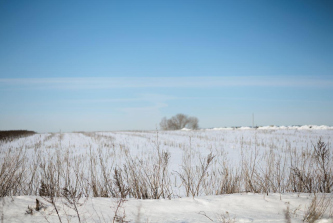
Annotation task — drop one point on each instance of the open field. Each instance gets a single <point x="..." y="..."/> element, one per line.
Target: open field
<point x="249" y="175"/>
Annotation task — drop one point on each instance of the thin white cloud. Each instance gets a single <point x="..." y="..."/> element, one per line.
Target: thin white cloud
<point x="165" y="82"/>
<point x="145" y="109"/>
<point x="154" y="98"/>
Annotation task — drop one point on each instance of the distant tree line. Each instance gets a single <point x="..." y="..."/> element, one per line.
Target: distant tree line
<point x="7" y="134"/>
<point x="179" y="121"/>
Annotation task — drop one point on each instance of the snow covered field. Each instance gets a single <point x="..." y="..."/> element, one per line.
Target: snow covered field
<point x="220" y="175"/>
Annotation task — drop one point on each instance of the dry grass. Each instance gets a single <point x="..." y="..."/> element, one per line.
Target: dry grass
<point x="317" y="208"/>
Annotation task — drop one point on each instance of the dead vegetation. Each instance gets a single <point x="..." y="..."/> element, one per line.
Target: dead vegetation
<point x="148" y="176"/>
<point x="317" y="208"/>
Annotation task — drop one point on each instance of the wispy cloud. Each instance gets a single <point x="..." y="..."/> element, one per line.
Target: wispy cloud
<point x="154" y="98"/>
<point x="166" y="82"/>
<point x="146" y="109"/>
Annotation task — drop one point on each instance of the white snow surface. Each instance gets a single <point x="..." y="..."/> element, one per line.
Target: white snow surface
<point x="245" y="207"/>
<point x="273" y="127"/>
<point x="228" y="142"/>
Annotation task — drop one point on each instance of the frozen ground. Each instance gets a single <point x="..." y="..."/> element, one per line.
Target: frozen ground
<point x="230" y="147"/>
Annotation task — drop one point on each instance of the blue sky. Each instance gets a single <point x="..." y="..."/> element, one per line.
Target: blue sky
<point x="115" y="65"/>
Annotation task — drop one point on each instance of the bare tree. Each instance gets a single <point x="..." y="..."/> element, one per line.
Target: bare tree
<point x="193" y="123"/>
<point x="179" y="121"/>
<point x="164" y="123"/>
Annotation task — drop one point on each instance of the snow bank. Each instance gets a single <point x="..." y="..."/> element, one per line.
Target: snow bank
<point x="245" y="128"/>
<point x="186" y="129"/>
<point x="273" y="127"/>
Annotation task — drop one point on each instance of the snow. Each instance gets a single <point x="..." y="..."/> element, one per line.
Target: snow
<point x="246" y="207"/>
<point x="273" y="127"/>
<point x="227" y="143"/>
<point x="185" y="129"/>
